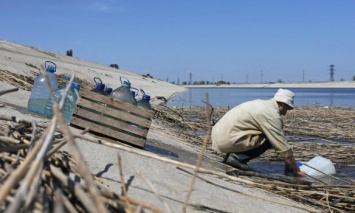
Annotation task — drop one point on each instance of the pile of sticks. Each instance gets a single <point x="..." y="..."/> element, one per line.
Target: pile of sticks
<point x="339" y="154"/>
<point x="19" y="81"/>
<point x="333" y="123"/>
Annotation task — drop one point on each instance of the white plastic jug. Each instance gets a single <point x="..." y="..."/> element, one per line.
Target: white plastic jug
<point x="320" y="163"/>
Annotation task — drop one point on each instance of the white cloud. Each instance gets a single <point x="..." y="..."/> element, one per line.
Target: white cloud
<point x="106" y="6"/>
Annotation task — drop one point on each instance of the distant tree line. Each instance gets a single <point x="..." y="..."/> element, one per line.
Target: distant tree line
<point x="203" y="83"/>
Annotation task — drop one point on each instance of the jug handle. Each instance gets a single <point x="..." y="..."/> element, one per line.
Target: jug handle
<point x="98" y="79"/>
<point x="142" y="91"/>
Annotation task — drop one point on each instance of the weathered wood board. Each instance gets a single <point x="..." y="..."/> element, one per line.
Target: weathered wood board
<point x="114" y="120"/>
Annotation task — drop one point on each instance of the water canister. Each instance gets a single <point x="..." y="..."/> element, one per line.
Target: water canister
<point x="99" y="87"/>
<point x="144" y="101"/>
<point x="123" y="93"/>
<point x="69" y="103"/>
<point x="40" y="92"/>
<point x="319" y="163"/>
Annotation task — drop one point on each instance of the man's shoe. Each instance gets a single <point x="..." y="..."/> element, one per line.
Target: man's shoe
<point x="236" y="163"/>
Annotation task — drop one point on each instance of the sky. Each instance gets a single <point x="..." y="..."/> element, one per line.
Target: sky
<point x="249" y="41"/>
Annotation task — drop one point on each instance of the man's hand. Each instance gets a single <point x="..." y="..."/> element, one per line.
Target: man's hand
<point x="290" y="162"/>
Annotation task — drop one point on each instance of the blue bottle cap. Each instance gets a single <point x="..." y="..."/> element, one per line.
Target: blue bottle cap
<point x="76" y="86"/>
<point x="299" y="163"/>
<point x="50" y="66"/>
<point x="108" y="90"/>
<point x="146" y="97"/>
<point x="50" y="69"/>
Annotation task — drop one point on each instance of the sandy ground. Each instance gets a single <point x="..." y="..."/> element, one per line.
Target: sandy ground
<point x="171" y="183"/>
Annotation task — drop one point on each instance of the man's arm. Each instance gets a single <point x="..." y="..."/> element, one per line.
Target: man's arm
<point x="291" y="163"/>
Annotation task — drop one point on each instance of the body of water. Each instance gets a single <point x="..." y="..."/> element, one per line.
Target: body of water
<point x="224" y="97"/>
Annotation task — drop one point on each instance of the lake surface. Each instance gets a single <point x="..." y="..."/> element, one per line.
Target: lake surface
<point x="224" y="97"/>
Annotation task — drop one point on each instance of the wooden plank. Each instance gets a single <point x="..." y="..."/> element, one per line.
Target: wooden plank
<point x="85" y="105"/>
<point x="120" y="136"/>
<point x="113" y="124"/>
<point x="112" y="119"/>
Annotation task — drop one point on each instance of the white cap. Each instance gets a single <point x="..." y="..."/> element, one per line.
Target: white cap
<point x="285" y="96"/>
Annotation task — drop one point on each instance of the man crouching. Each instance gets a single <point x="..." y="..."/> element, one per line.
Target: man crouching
<point x="249" y="129"/>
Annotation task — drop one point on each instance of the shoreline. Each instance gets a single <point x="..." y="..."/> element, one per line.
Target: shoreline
<point x="333" y="84"/>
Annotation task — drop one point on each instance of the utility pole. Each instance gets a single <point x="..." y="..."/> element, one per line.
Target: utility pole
<point x="331" y="72"/>
<point x="261" y="73"/>
<point x="190" y="76"/>
<point x="302" y="75"/>
<point x="247" y="78"/>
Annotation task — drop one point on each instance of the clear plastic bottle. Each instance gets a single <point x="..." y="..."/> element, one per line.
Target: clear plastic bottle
<point x="123" y="93"/>
<point x="144" y="101"/>
<point x="40" y="93"/>
<point x="69" y="103"/>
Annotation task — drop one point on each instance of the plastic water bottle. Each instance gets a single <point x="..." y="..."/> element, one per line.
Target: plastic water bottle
<point x="69" y="103"/>
<point x="40" y="92"/>
<point x="144" y="101"/>
<point x="318" y="163"/>
<point x="99" y="88"/>
<point x="123" y="93"/>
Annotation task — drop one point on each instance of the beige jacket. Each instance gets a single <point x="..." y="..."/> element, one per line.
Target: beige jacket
<point x="248" y="125"/>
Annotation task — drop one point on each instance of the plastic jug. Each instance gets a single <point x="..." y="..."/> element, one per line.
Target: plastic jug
<point x="99" y="88"/>
<point x="144" y="101"/>
<point x="319" y="163"/>
<point x="40" y="92"/>
<point x="69" y="103"/>
<point x="123" y="92"/>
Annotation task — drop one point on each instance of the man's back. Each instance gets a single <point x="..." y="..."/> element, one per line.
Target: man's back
<point x="244" y="121"/>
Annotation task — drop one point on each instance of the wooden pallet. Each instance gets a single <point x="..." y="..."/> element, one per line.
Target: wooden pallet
<point x="114" y="120"/>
